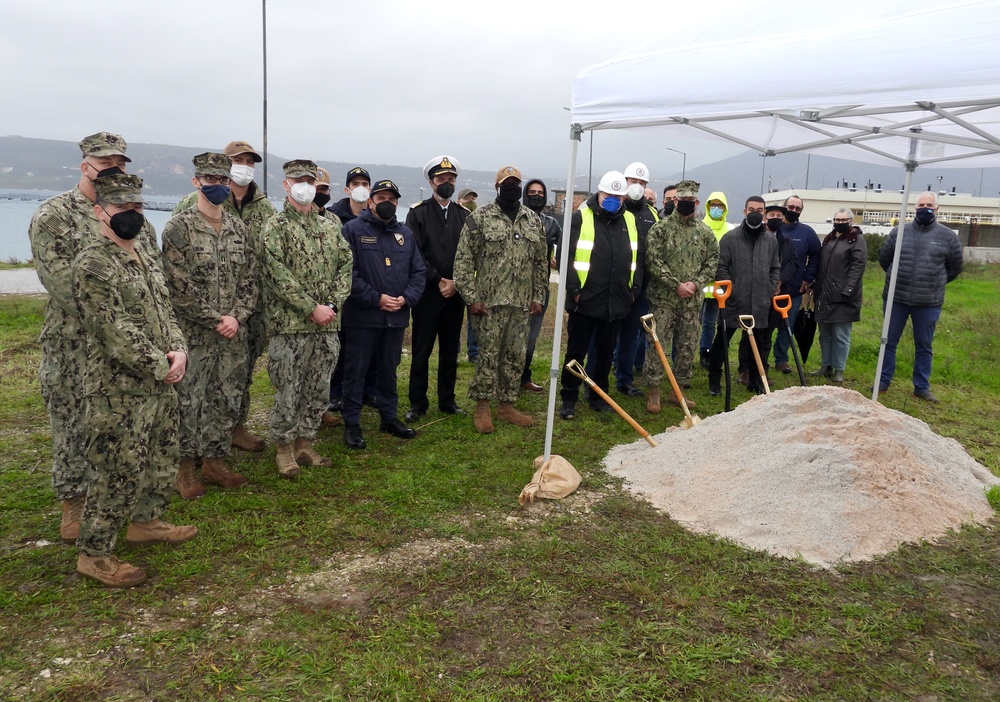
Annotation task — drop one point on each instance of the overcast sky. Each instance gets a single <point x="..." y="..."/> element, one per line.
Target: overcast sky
<point x="372" y="82"/>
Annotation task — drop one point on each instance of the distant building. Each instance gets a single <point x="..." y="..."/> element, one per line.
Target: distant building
<point x="579" y="197"/>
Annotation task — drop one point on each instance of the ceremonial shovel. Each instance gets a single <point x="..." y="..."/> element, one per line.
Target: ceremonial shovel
<point x="783" y="308"/>
<point x="721" y="291"/>
<point x="649" y="324"/>
<point x="576" y="369"/>
<point x="746" y="321"/>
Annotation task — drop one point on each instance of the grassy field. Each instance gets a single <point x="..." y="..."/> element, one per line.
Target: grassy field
<point x="408" y="571"/>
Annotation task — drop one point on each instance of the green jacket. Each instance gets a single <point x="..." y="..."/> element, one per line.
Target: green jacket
<point x="679" y="251"/>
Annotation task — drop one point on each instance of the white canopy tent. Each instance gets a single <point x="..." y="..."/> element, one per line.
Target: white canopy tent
<point x="894" y="82"/>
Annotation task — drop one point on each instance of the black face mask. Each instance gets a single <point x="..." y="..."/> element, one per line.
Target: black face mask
<point x="509" y="194"/>
<point x="924" y="215"/>
<point x="754" y="220"/>
<point x="668" y="208"/>
<point x="774" y="224"/>
<point x="114" y="170"/>
<point x="321" y="199"/>
<point x="385" y="210"/>
<point x="686" y="207"/>
<point x="792" y="217"/>
<point x="127" y="225"/>
<point x="841" y="227"/>
<point x="445" y="190"/>
<point x="536" y="202"/>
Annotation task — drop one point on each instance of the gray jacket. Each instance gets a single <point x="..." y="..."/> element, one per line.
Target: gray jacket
<point x="931" y="258"/>
<point x="749" y="258"/>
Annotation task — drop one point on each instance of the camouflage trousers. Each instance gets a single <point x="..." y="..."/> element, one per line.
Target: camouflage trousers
<point x="678" y="327"/>
<point x="300" y="366"/>
<point x="132" y="444"/>
<point x="255" y="339"/>
<point x="60" y="375"/>
<point x="503" y="340"/>
<point x="210" y="396"/>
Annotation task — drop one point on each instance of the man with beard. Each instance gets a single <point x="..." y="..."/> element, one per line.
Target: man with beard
<point x="536" y="197"/>
<point x="807" y="252"/>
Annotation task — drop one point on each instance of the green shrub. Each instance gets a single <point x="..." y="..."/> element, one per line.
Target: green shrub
<point x="874" y="242"/>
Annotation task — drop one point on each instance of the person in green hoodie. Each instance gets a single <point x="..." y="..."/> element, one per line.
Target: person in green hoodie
<point x="716" y="210"/>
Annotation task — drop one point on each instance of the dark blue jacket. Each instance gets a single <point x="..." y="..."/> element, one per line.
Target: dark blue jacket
<point x="808" y="249"/>
<point x="931" y="258"/>
<point x="342" y="208"/>
<point x="386" y="262"/>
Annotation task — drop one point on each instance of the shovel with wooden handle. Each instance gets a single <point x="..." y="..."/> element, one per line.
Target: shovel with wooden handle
<point x="721" y="292"/>
<point x="746" y="321"/>
<point x="576" y="369"/>
<point x="783" y="304"/>
<point x="649" y="324"/>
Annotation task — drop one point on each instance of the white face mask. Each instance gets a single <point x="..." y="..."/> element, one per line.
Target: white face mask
<point x="303" y="193"/>
<point x="635" y="192"/>
<point x="360" y="194"/>
<point x="241" y="175"/>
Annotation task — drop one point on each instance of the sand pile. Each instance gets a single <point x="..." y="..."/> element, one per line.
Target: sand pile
<point x="822" y="473"/>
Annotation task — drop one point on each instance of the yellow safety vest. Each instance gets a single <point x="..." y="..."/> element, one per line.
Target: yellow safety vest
<point x="585" y="246"/>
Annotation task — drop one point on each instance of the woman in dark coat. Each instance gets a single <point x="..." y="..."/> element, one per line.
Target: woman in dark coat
<point x="838" y="292"/>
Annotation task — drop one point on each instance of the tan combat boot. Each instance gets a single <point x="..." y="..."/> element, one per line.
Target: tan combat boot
<point x="672" y="400"/>
<point x="482" y="418"/>
<point x="109" y="571"/>
<point x="330" y="419"/>
<point x="653" y="399"/>
<point x="287" y="467"/>
<point x="69" y="529"/>
<point x="306" y="455"/>
<point x="188" y="484"/>
<point x="215" y="472"/>
<point x="159" y="532"/>
<point x="508" y="413"/>
<point x="247" y="441"/>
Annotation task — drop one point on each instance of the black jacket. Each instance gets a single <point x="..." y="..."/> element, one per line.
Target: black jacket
<point x="342" y="208"/>
<point x="930" y="259"/>
<point x="437" y="238"/>
<point x="838" y="281"/>
<point x="749" y="258"/>
<point x="386" y="262"/>
<point x="607" y="294"/>
<point x="553" y="230"/>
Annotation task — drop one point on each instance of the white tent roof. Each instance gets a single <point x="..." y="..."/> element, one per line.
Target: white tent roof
<point x="851" y="79"/>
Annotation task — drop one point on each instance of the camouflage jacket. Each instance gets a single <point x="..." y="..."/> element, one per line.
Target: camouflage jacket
<point x="499" y="262"/>
<point x="130" y="324"/>
<point x="61" y="227"/>
<point x="679" y="251"/>
<point x="208" y="274"/>
<point x="306" y="262"/>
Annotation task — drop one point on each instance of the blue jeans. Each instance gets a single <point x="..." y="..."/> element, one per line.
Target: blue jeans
<point x="835" y="343"/>
<point x="709" y="321"/>
<point x="781" y="342"/>
<point x="924" y="320"/>
<point x="472" y="347"/>
<point x="631" y="336"/>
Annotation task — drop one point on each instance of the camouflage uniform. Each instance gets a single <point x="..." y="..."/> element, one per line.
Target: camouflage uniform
<point x="60" y="228"/>
<point x="210" y="274"/>
<point x="677" y="251"/>
<point x="504" y="265"/>
<point x="130" y="412"/>
<point x="254" y="214"/>
<point x="306" y="262"/>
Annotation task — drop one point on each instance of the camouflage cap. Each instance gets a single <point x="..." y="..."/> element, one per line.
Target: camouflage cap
<point x="508" y="172"/>
<point x="119" y="188"/>
<point x="688" y="188"/>
<point x="441" y="164"/>
<point x="322" y="176"/>
<point x="299" y="168"/>
<point x="235" y="148"/>
<point x="357" y="172"/>
<point x="104" y="144"/>
<point x="212" y="164"/>
<point x="385" y="185"/>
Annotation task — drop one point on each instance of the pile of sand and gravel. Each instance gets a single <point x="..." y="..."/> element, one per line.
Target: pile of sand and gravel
<point x="817" y="472"/>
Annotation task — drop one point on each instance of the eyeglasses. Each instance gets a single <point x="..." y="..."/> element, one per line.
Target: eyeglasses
<point x="793" y="208"/>
<point x="841" y="221"/>
<point x="215" y="180"/>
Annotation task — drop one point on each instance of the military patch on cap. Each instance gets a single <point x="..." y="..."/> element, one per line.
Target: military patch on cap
<point x="103" y="144"/>
<point x="322" y="176"/>
<point x="688" y="188"/>
<point x="357" y="172"/>
<point x="441" y="164"/>
<point x="235" y="148"/>
<point x="212" y="164"/>
<point x="119" y="188"/>
<point x="299" y="168"/>
<point x="384" y="185"/>
<point x="508" y="172"/>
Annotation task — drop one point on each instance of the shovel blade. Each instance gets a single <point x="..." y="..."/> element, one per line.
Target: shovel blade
<point x="689" y="422"/>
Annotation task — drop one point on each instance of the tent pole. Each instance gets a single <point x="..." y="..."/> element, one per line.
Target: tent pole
<point x="911" y="166"/>
<point x="555" y="370"/>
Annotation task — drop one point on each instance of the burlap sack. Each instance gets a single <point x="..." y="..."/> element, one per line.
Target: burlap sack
<point x="553" y="480"/>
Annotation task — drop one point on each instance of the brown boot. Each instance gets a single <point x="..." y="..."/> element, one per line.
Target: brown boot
<point x="188" y="484"/>
<point x="247" y="441"/>
<point x="482" y="418"/>
<point x="215" y="472"/>
<point x="672" y="400"/>
<point x="331" y="420"/>
<point x="159" y="532"/>
<point x="109" y="571"/>
<point x="69" y="529"/>
<point x="653" y="399"/>
<point x="508" y="413"/>
<point x="306" y="455"/>
<point x="287" y="467"/>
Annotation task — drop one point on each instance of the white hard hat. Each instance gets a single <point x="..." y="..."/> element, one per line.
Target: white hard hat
<point x="613" y="183"/>
<point x="637" y="170"/>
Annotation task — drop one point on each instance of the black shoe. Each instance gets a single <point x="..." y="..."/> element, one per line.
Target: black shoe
<point x="396" y="428"/>
<point x="414" y="414"/>
<point x="714" y="389"/>
<point x="601" y="407"/>
<point x="353" y="437"/>
<point x="704" y="358"/>
<point x="568" y="410"/>
<point x="370" y="400"/>
<point x="449" y="409"/>
<point x="336" y="404"/>
<point x="925" y="395"/>
<point x="631" y="391"/>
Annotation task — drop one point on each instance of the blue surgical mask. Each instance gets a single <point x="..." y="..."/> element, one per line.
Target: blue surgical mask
<point x="216" y="194"/>
<point x="925" y="215"/>
<point x="611" y="203"/>
<point x="715" y="212"/>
